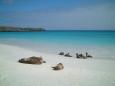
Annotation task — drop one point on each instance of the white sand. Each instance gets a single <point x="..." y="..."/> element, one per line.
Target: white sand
<point x="77" y="72"/>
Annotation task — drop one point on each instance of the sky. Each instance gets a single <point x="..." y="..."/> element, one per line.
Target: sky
<point x="58" y="14"/>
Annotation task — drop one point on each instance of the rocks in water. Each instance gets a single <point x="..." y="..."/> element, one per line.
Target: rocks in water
<point x="32" y="60"/>
<point x="61" y="53"/>
<point x="58" y="67"/>
<point x="67" y="55"/>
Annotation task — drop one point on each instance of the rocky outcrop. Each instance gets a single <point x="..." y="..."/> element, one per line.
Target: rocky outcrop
<point x="32" y="60"/>
<point x="19" y="29"/>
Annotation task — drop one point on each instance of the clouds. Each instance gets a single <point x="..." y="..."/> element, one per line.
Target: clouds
<point x="94" y="16"/>
<point x="100" y="15"/>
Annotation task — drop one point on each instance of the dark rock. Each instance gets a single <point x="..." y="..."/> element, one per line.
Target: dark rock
<point x="19" y="29"/>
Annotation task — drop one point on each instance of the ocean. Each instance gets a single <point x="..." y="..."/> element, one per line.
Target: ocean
<point x="100" y="44"/>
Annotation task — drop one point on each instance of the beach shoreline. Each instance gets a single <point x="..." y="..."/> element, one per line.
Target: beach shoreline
<point x="76" y="72"/>
<point x="99" y="44"/>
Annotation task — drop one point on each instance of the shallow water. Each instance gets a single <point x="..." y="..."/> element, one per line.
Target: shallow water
<point x="100" y="44"/>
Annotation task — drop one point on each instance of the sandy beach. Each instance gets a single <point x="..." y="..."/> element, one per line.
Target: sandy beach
<point x="76" y="72"/>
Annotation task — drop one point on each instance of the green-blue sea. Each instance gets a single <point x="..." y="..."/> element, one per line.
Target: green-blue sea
<point x="100" y="44"/>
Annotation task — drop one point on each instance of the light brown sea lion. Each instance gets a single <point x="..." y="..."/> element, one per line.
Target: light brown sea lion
<point x="58" y="67"/>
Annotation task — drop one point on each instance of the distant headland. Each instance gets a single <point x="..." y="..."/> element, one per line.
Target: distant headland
<point x="20" y="29"/>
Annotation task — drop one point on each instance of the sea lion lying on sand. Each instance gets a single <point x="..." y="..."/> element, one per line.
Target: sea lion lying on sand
<point x="58" y="67"/>
<point x="61" y="53"/>
<point x="32" y="60"/>
<point x="89" y="56"/>
<point x="81" y="56"/>
<point x="67" y="55"/>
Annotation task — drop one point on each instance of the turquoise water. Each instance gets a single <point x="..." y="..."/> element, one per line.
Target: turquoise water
<point x="64" y="37"/>
<point x="69" y="41"/>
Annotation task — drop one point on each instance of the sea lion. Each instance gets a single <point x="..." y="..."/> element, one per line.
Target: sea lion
<point x="58" y="67"/>
<point x="89" y="56"/>
<point x="61" y="53"/>
<point x="32" y="60"/>
<point x="80" y="56"/>
<point x="68" y="55"/>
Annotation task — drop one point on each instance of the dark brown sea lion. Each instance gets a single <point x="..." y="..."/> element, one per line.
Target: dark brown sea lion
<point x="32" y="60"/>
